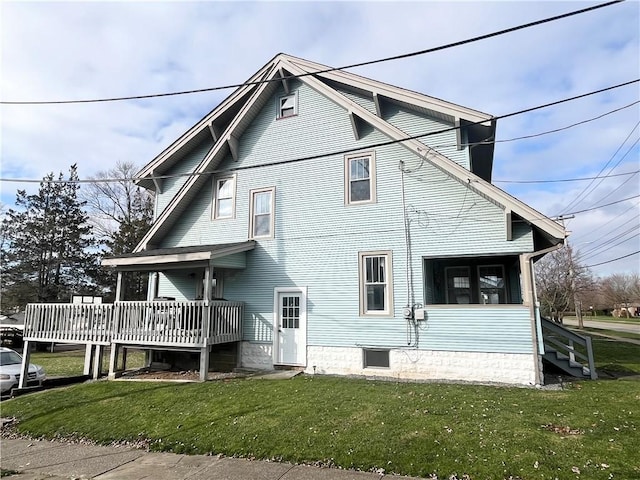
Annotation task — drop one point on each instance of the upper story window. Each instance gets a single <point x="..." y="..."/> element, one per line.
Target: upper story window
<point x="287" y="106"/>
<point x="360" y="178"/>
<point x="262" y="213"/>
<point x="224" y="201"/>
<point x="376" y="285"/>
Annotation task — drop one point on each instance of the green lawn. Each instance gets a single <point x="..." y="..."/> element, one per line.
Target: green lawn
<point x="406" y="428"/>
<point x="65" y="363"/>
<point x="606" y="318"/>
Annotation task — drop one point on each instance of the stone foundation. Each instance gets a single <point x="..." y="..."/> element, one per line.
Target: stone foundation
<point x="408" y="364"/>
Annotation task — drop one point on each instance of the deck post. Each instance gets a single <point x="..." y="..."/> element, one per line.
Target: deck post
<point x="119" y="287"/>
<point x="124" y="358"/>
<point x="97" y="361"/>
<point x="24" y="369"/>
<point x="204" y="362"/>
<point x="113" y="360"/>
<point x="88" y="351"/>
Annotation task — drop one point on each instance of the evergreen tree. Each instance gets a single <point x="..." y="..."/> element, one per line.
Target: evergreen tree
<point x="46" y="244"/>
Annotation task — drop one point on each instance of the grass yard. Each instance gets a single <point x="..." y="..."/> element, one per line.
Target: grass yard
<point x="65" y="362"/>
<point x="606" y="318"/>
<point x="589" y="430"/>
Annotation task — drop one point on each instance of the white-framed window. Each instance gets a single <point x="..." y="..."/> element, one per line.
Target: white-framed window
<point x="360" y="178"/>
<point x="224" y="197"/>
<point x="458" y="285"/>
<point x="287" y="106"/>
<point x="376" y="285"/>
<point x="262" y="217"/>
<point x="492" y="284"/>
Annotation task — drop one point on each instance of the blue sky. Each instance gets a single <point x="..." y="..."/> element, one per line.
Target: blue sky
<point x="78" y="50"/>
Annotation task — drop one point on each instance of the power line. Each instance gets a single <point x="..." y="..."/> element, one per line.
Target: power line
<point x="339" y="152"/>
<point x="353" y="65"/>
<point x="611" y="261"/>
<point x="594" y="250"/>
<point x="601" y="206"/>
<point x="561" y="180"/>
<point x="584" y="191"/>
<point x="607" y="223"/>
<point x="539" y="134"/>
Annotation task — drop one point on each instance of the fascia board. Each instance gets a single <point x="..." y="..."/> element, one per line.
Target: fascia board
<point x="394" y="92"/>
<point x="178" y="144"/>
<point x="438" y="160"/>
<point x="177" y="257"/>
<point x="204" y="164"/>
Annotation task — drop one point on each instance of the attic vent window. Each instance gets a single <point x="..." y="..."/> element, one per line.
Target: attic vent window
<point x="288" y="106"/>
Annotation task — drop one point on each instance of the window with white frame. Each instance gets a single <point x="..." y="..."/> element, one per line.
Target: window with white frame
<point x="376" y="287"/>
<point x="287" y="106"/>
<point x="262" y="213"/>
<point x="492" y="285"/>
<point x="224" y="197"/>
<point x="360" y="178"/>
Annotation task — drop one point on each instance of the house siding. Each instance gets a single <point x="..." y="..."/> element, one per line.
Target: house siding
<point x="317" y="237"/>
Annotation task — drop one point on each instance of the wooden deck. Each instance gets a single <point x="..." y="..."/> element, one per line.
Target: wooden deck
<point x="194" y="324"/>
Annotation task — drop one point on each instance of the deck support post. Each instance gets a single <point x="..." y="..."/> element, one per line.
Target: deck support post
<point x="119" y="287"/>
<point x="97" y="361"/>
<point x="204" y="363"/>
<point x="24" y="369"/>
<point x="113" y="360"/>
<point x="124" y="358"/>
<point x="88" y="352"/>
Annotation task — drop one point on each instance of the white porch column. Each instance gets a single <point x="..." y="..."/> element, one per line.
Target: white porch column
<point x="119" y="287"/>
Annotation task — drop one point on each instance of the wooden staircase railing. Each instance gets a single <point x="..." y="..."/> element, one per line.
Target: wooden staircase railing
<point x="567" y="350"/>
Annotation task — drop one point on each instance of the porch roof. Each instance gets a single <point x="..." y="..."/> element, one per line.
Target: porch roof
<point x="175" y="257"/>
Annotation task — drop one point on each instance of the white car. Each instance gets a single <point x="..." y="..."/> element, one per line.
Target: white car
<point x="10" y="366"/>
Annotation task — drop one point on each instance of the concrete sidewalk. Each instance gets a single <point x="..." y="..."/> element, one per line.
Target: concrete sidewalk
<point x="39" y="460"/>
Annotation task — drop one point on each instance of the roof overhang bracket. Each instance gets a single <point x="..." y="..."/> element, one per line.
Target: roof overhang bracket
<point x="233" y="147"/>
<point x="508" y="224"/>
<point x="285" y="81"/>
<point x="215" y="131"/>
<point x="354" y="125"/>
<point x="458" y="127"/>
<point x="156" y="181"/>
<point x="376" y="102"/>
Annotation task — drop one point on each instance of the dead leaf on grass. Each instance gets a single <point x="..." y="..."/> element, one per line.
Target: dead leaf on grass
<point x="562" y="430"/>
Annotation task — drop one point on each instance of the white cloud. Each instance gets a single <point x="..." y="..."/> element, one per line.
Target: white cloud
<point x="77" y="50"/>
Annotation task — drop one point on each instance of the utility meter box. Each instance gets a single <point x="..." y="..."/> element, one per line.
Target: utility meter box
<point x="420" y="313"/>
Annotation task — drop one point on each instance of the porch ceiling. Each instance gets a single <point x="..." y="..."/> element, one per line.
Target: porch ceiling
<point x="176" y="257"/>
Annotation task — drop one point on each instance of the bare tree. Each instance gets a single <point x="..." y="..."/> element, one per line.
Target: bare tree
<point x="560" y="280"/>
<point x="621" y="290"/>
<point x="121" y="213"/>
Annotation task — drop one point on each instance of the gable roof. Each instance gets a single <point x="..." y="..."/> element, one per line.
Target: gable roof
<point x="227" y="122"/>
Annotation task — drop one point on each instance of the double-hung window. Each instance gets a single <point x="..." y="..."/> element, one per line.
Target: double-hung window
<point x="287" y="106"/>
<point x="492" y="285"/>
<point x="360" y="178"/>
<point x="458" y="285"/>
<point x="224" y="197"/>
<point x="376" y="287"/>
<point x="262" y="213"/>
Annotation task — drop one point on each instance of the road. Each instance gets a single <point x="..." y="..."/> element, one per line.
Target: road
<point x="620" y="327"/>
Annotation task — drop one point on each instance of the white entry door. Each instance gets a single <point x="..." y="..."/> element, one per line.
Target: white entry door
<point x="290" y="326"/>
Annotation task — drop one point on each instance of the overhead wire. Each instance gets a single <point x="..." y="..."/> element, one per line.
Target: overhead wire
<point x="577" y="198"/>
<point x="590" y="232"/>
<point x="612" y="260"/>
<point x="339" y="152"/>
<point x="345" y="67"/>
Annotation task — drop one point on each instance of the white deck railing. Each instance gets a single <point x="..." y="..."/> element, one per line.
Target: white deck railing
<point x="186" y="324"/>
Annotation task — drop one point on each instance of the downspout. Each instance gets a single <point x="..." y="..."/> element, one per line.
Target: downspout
<point x="526" y="261"/>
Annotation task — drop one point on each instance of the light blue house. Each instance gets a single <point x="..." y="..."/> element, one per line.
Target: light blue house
<point x="350" y="227"/>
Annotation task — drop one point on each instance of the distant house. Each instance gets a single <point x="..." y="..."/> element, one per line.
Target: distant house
<point x="329" y="222"/>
